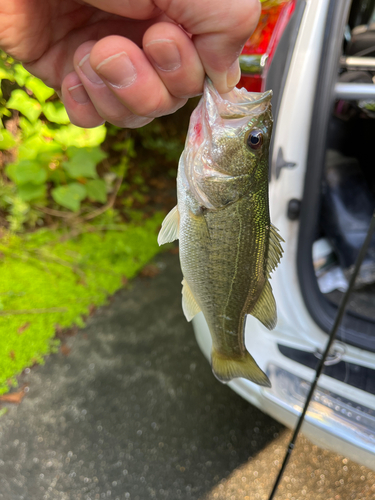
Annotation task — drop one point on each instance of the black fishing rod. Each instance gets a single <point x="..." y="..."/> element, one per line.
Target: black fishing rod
<point x="319" y="369"/>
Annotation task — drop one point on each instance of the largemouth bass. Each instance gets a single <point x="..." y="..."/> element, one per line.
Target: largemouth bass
<point x="228" y="246"/>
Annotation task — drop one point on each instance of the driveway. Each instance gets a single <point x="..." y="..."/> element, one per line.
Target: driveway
<point x="129" y="409"/>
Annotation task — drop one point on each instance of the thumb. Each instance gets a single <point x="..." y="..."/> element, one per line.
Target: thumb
<point x="220" y="29"/>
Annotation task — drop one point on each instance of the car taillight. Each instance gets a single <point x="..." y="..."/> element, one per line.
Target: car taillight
<point x="257" y="53"/>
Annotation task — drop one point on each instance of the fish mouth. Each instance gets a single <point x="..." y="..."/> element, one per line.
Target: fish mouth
<point x="239" y="103"/>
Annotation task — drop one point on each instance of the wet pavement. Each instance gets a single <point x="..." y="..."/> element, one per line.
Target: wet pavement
<point x="130" y="410"/>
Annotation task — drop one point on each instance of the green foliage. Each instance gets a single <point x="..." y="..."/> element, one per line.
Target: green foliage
<point x="26" y="171"/>
<point x="155" y="138"/>
<point x="70" y="196"/>
<point x="7" y="141"/>
<point x="25" y="104"/>
<point x="56" y="283"/>
<point x="82" y="162"/>
<point x="52" y="162"/>
<point x="49" y="163"/>
<point x="96" y="190"/>
<point x="55" y="112"/>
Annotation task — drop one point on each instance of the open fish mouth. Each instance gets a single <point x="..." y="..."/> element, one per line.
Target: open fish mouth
<point x="238" y="103"/>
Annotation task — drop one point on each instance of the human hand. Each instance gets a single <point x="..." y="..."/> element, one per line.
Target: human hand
<point x="128" y="62"/>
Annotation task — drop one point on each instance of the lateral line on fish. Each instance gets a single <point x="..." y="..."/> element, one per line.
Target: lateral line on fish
<point x="236" y="269"/>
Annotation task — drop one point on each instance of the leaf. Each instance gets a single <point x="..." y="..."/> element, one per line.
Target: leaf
<point x="55" y="112"/>
<point x="70" y="135"/>
<point x="6" y="71"/>
<point x="29" y="192"/>
<point x="95" y="154"/>
<point x="35" y="145"/>
<point x="6" y="112"/>
<point x="69" y="196"/>
<point x="26" y="171"/>
<point x="20" y="74"/>
<point x="96" y="190"/>
<point x="25" y="104"/>
<point x="28" y="128"/>
<point x="14" y="397"/>
<point x="39" y="89"/>
<point x="82" y="162"/>
<point x="7" y="140"/>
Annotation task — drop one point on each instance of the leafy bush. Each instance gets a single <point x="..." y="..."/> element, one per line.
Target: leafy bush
<point x="45" y="160"/>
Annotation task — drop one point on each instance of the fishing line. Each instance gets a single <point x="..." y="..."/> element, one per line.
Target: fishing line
<point x="319" y="369"/>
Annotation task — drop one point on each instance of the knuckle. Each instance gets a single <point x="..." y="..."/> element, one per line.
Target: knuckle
<point x="132" y="121"/>
<point x="244" y="17"/>
<point x="151" y="107"/>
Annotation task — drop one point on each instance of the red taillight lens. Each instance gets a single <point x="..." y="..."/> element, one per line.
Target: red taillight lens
<point x="257" y="54"/>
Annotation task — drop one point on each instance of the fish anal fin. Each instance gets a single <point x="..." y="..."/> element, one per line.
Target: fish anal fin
<point x="189" y="304"/>
<point x="170" y="227"/>
<point x="275" y="250"/>
<point x="226" y="368"/>
<point x="265" y="308"/>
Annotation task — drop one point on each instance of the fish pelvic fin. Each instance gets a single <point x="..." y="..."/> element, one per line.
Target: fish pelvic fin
<point x="170" y="227"/>
<point x="226" y="368"/>
<point x="265" y="308"/>
<point x="189" y="304"/>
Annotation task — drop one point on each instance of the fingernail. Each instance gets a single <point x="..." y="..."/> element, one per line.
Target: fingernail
<point x="118" y="70"/>
<point x="164" y="54"/>
<point x="79" y="94"/>
<point x="87" y="70"/>
<point x="233" y="74"/>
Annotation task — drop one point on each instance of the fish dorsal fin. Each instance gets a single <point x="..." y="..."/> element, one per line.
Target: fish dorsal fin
<point x="265" y="308"/>
<point x="275" y="250"/>
<point x="170" y="227"/>
<point x="189" y="304"/>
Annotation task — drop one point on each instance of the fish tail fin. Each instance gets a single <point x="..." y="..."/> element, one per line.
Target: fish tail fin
<point x="225" y="368"/>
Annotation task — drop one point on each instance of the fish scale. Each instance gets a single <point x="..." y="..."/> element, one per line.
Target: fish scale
<point x="228" y="246"/>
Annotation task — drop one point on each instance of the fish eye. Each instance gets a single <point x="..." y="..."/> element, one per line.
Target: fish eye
<point x="255" y="139"/>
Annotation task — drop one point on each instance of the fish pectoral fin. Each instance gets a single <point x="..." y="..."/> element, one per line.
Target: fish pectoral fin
<point x="170" y="227"/>
<point x="226" y="368"/>
<point x="189" y="304"/>
<point x="265" y="308"/>
<point x="275" y="250"/>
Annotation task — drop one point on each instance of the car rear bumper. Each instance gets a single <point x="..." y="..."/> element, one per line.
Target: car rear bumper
<point x="340" y="418"/>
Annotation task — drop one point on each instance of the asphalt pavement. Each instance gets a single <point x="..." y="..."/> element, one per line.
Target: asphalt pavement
<point x="129" y="409"/>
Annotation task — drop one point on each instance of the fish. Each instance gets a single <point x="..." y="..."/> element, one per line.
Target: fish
<point x="228" y="247"/>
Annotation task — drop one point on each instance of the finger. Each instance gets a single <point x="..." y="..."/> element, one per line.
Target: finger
<point x="131" y="78"/>
<point x="174" y="57"/>
<point x="57" y="61"/>
<point x="219" y="29"/>
<point x="102" y="99"/>
<point x="77" y="103"/>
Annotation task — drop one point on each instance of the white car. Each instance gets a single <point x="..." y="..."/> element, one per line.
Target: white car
<point x="309" y="52"/>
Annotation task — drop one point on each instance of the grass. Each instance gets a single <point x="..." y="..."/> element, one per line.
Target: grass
<point x="47" y="284"/>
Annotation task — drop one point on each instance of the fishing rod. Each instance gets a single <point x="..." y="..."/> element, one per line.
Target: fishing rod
<point x="319" y="369"/>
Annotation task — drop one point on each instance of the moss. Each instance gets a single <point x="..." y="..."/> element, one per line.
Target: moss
<point x="38" y="273"/>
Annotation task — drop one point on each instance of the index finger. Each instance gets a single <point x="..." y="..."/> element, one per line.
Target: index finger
<point x="219" y="29"/>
